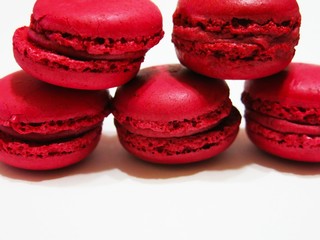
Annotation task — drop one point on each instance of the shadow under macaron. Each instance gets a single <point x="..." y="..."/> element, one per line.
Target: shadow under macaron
<point x="286" y="165"/>
<point x="100" y="160"/>
<point x="110" y="158"/>
<point x="242" y="153"/>
<point x="114" y="157"/>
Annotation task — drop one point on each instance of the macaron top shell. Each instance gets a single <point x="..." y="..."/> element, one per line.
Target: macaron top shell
<point x="113" y="19"/>
<point x="28" y="102"/>
<point x="258" y="10"/>
<point x="298" y="85"/>
<point x="170" y="92"/>
<point x="292" y="94"/>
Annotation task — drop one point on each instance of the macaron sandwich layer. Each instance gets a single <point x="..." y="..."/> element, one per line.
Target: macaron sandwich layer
<point x="84" y="44"/>
<point x="44" y="127"/>
<point x="170" y="115"/>
<point x="236" y="39"/>
<point x="283" y="113"/>
<point x="184" y="149"/>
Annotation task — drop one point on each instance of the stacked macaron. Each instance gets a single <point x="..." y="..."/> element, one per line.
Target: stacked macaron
<point x="168" y="114"/>
<point x="84" y="44"/>
<point x="76" y="50"/>
<point x="52" y="113"/>
<point x="255" y="41"/>
<point x="236" y="39"/>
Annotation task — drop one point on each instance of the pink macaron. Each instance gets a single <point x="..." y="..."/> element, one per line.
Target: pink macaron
<point x="170" y="115"/>
<point x="283" y="112"/>
<point x="88" y="44"/>
<point x="236" y="39"/>
<point x="44" y="127"/>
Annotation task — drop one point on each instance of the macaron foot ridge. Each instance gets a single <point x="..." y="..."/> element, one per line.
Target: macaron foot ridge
<point x="47" y="155"/>
<point x="291" y="146"/>
<point x="68" y="72"/>
<point x="181" y="150"/>
<point x="175" y="128"/>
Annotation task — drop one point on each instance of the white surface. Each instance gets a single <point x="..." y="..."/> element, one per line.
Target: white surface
<point x="241" y="194"/>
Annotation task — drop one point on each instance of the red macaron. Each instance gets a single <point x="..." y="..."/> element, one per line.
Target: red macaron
<point x="88" y="44"/>
<point x="44" y="127"/>
<point x="283" y="112"/>
<point x="170" y="115"/>
<point x="236" y="39"/>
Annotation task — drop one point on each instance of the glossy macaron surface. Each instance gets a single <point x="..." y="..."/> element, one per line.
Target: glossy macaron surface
<point x="170" y="99"/>
<point x="295" y="86"/>
<point x="115" y="19"/>
<point x="259" y="10"/>
<point x="31" y="100"/>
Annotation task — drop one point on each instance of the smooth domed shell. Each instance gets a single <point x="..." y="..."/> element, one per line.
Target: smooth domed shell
<point x="113" y="19"/>
<point x="170" y="92"/>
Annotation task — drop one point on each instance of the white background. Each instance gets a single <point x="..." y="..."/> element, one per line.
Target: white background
<point x="241" y="194"/>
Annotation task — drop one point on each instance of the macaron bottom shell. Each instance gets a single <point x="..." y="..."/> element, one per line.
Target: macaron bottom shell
<point x="34" y="155"/>
<point x="216" y="67"/>
<point x="291" y="146"/>
<point x="181" y="150"/>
